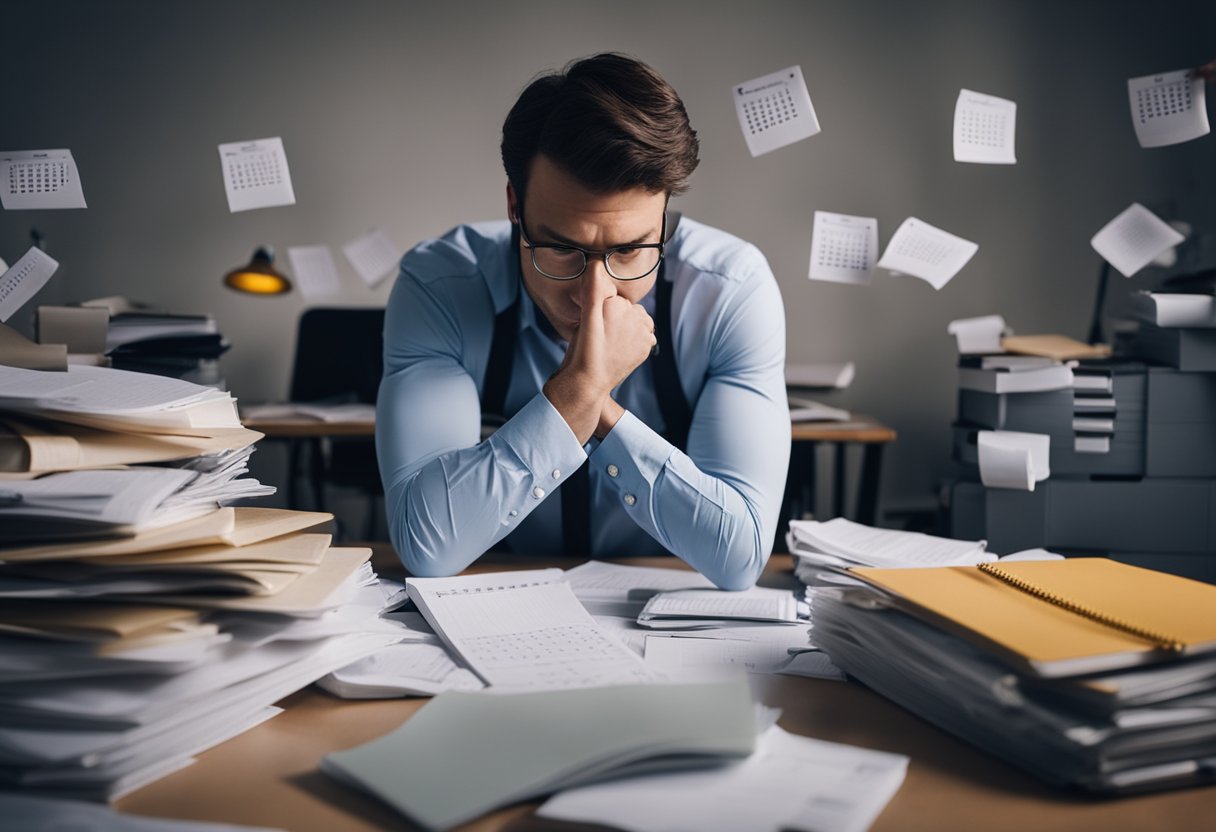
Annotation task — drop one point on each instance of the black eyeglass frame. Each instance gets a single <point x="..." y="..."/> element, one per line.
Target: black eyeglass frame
<point x="587" y="253"/>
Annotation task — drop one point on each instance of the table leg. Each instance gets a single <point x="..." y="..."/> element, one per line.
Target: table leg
<point x="871" y="470"/>
<point x="839" y="498"/>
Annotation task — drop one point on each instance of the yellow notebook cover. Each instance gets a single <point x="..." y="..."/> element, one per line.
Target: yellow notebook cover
<point x="1041" y="635"/>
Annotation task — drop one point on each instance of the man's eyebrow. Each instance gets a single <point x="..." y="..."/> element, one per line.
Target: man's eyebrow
<point x="566" y="241"/>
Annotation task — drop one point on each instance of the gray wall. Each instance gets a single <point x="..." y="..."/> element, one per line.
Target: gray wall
<point x="390" y="113"/>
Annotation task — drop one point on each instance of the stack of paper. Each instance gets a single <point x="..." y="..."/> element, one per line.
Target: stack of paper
<point x="1061" y="668"/>
<point x="824" y="552"/>
<point x="141" y="620"/>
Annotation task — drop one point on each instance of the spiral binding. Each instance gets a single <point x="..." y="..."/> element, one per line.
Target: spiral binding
<point x="1158" y="640"/>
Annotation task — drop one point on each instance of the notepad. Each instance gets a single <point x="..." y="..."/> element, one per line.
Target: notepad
<point x="40" y="179"/>
<point x="256" y="174"/>
<point x="1043" y="637"/>
<point x="844" y="248"/>
<point x="984" y="129"/>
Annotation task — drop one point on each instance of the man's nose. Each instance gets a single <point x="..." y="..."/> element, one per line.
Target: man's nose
<point x="595" y="284"/>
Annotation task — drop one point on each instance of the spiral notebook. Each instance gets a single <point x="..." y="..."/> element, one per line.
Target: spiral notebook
<point x="1061" y="618"/>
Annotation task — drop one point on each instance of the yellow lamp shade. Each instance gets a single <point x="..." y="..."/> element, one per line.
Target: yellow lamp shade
<point x="259" y="277"/>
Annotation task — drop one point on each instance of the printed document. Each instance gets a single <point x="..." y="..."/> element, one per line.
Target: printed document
<point x="931" y="254"/>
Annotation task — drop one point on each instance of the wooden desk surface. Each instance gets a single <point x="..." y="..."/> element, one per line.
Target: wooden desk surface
<point x="862" y="429"/>
<point x="268" y="776"/>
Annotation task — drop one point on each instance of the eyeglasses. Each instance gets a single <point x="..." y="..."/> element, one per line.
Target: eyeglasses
<point x="562" y="262"/>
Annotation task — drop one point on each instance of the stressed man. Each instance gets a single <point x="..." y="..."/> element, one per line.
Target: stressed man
<point x="632" y="360"/>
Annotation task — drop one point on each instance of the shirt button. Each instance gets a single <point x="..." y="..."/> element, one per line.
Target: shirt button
<point x="557" y="474"/>
<point x="538" y="492"/>
<point x="613" y="471"/>
<point x="630" y="499"/>
<point x="513" y="513"/>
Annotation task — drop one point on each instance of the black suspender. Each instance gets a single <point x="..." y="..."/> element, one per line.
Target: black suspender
<point x="677" y="414"/>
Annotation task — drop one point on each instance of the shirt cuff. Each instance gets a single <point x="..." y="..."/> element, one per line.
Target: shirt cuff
<point x="540" y="438"/>
<point x="633" y="456"/>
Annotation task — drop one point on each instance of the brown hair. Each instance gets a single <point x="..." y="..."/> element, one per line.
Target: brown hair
<point x="610" y="121"/>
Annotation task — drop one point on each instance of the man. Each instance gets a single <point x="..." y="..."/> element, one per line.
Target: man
<point x="617" y="438"/>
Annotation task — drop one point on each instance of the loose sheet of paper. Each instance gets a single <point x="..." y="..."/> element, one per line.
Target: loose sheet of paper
<point x="256" y="174"/>
<point x="678" y="656"/>
<point x="926" y="252"/>
<point x="24" y="279"/>
<point x="977" y="336"/>
<point x="843" y="248"/>
<point x="789" y="782"/>
<point x="1134" y="239"/>
<point x="1012" y="459"/>
<point x="1168" y="109"/>
<point x="525" y="630"/>
<point x="775" y="110"/>
<point x="984" y="128"/>
<point x="40" y="179"/>
<point x="373" y="256"/>
<point x="314" y="270"/>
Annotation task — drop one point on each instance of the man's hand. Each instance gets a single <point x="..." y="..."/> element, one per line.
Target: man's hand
<point x="613" y="338"/>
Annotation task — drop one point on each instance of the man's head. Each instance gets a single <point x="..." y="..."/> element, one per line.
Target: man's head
<point x="609" y="121"/>
<point x="592" y="154"/>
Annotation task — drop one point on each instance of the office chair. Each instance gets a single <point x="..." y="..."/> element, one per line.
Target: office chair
<point x="339" y="360"/>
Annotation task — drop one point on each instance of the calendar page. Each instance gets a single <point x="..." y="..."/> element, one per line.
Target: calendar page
<point x="843" y="248"/>
<point x="314" y="270"/>
<point x="373" y="256"/>
<point x="23" y="280"/>
<point x="256" y="174"/>
<point x="775" y="111"/>
<point x="1134" y="239"/>
<point x="931" y="254"/>
<point x="984" y="128"/>
<point x="31" y="179"/>
<point x="1168" y="109"/>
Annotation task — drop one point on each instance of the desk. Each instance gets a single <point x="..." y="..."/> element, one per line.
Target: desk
<point x="865" y="431"/>
<point x="268" y="776"/>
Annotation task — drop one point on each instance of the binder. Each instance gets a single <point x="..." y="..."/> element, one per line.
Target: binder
<point x="1060" y="618"/>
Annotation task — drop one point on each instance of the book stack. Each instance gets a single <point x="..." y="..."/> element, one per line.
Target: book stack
<point x="1132" y="472"/>
<point x="143" y="618"/>
<point x="1086" y="672"/>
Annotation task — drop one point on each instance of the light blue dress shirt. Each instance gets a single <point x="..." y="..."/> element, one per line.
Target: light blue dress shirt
<point x="450" y="496"/>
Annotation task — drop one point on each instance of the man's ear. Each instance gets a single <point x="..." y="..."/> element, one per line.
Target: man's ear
<point x="512" y="204"/>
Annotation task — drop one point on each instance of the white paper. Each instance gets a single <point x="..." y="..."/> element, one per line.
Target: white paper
<point x="314" y="270"/>
<point x="980" y="335"/>
<point x="256" y="174"/>
<point x="525" y="630"/>
<point x="843" y="248"/>
<point x="1012" y="459"/>
<point x="416" y="668"/>
<point x="812" y="664"/>
<point x="775" y="110"/>
<point x="1168" y="109"/>
<point x="755" y="604"/>
<point x="870" y="546"/>
<point x="809" y="410"/>
<point x="24" y="279"/>
<point x="984" y="128"/>
<point x="681" y="656"/>
<point x="373" y="256"/>
<point x="789" y="782"/>
<point x="40" y="179"/>
<point x="1134" y="239"/>
<point x="827" y="376"/>
<point x="926" y="252"/>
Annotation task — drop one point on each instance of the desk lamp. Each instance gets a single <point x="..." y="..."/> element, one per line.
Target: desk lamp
<point x="259" y="277"/>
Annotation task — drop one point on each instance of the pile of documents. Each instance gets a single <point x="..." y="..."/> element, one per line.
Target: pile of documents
<point x="142" y="618"/>
<point x="824" y="552"/>
<point x="1084" y="672"/>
